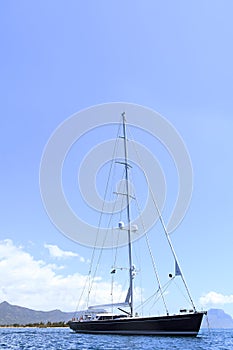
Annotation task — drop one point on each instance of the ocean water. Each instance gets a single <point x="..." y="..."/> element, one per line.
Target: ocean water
<point x="64" y="338"/>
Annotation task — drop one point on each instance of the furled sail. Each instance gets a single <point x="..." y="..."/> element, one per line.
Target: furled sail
<point x="177" y="269"/>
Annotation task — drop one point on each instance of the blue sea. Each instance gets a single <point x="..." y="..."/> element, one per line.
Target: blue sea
<point x="64" y="338"/>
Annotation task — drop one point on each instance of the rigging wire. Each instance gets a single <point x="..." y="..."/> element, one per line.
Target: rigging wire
<point x="90" y="281"/>
<point x="116" y="250"/>
<point x="185" y="296"/>
<point x="157" y="293"/>
<point x="165" y="231"/>
<point x="100" y="254"/>
<point x="148" y="242"/>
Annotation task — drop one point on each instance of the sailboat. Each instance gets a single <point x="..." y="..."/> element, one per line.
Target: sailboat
<point x="125" y="321"/>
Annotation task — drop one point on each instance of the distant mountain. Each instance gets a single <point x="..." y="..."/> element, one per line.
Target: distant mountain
<point x="217" y="318"/>
<point x="13" y="314"/>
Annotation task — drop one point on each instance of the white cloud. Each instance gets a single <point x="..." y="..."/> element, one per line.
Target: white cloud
<point x="38" y="285"/>
<point x="213" y="298"/>
<point x="57" y="252"/>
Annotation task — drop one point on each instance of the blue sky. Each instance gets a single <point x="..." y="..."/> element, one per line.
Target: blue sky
<point x="58" y="58"/>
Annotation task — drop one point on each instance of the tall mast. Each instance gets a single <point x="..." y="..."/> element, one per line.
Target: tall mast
<point x="128" y="216"/>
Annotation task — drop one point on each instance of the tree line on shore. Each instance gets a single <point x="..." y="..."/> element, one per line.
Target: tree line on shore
<point x="39" y="324"/>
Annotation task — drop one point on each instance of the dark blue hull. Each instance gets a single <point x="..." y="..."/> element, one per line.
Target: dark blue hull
<point x="175" y="325"/>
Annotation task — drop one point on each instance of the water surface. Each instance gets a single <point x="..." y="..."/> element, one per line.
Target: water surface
<point x="64" y="338"/>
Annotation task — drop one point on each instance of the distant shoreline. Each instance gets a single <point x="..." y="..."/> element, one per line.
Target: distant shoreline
<point x="33" y="326"/>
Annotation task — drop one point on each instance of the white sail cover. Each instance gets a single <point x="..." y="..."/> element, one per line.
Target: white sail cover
<point x="123" y="304"/>
<point x="108" y="305"/>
